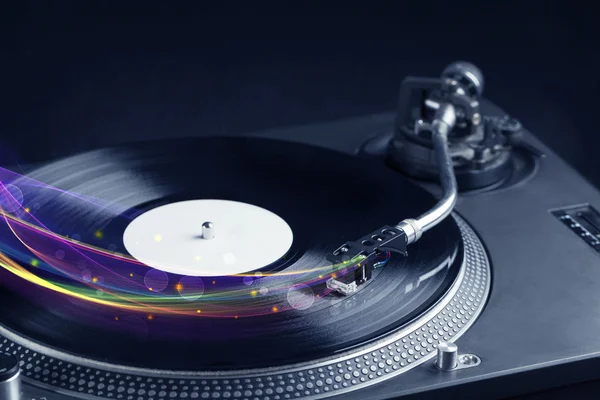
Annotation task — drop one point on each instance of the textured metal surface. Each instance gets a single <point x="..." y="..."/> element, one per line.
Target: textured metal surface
<point x="365" y="366"/>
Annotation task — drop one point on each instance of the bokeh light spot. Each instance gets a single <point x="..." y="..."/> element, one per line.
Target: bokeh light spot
<point x="192" y="288"/>
<point x="248" y="280"/>
<point x="300" y="297"/>
<point x="86" y="275"/>
<point x="11" y="197"/>
<point x="156" y="280"/>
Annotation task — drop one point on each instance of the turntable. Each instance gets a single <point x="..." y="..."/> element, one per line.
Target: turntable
<point x="309" y="263"/>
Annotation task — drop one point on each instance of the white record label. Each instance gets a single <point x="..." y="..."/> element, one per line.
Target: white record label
<point x="246" y="238"/>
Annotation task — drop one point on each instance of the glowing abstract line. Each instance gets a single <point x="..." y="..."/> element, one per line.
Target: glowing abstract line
<point x="122" y="289"/>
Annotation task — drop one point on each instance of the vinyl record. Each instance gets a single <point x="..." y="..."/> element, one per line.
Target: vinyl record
<point x="70" y="282"/>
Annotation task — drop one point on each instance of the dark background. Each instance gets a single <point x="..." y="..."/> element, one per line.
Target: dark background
<point x="77" y="75"/>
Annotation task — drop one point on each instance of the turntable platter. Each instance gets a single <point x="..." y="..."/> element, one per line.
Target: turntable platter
<point x="226" y="322"/>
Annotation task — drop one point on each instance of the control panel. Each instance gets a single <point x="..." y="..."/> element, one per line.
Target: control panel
<point x="584" y="221"/>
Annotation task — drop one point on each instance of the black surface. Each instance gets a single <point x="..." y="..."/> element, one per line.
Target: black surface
<point x="9" y="366"/>
<point x="297" y="182"/>
<point x="79" y="75"/>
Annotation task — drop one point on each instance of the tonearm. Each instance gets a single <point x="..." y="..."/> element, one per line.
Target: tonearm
<point x="454" y="105"/>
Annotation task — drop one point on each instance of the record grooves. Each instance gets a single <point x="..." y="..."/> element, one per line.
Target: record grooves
<point x="367" y="365"/>
<point x="266" y="269"/>
<point x="326" y="198"/>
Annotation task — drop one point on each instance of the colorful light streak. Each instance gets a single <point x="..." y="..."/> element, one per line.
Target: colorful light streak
<point x="116" y="280"/>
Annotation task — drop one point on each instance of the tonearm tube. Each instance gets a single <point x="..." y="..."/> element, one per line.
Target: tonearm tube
<point x="454" y="105"/>
<point x="440" y="127"/>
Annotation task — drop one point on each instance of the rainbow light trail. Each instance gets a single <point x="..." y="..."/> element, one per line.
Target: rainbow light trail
<point x="70" y="267"/>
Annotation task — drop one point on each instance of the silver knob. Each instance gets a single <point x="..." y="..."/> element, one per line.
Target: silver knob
<point x="208" y="230"/>
<point x="467" y="74"/>
<point x="10" y="379"/>
<point x="447" y="356"/>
